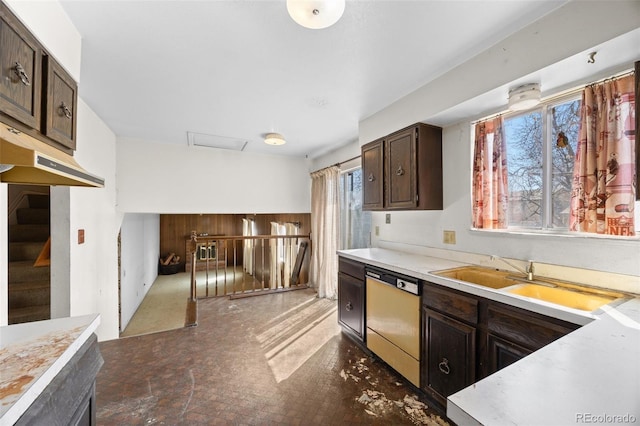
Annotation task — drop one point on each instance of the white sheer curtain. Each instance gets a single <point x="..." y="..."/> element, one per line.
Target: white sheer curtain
<point x="275" y="257"/>
<point x="247" y="252"/>
<point x="325" y="230"/>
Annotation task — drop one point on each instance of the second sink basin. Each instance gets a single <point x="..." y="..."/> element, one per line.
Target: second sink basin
<point x="481" y="276"/>
<point x="584" y="301"/>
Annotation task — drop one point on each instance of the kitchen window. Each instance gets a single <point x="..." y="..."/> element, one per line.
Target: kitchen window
<point x="541" y="146"/>
<point x="561" y="167"/>
<point x="355" y="224"/>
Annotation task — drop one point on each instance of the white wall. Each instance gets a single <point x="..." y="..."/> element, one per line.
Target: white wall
<point x="84" y="276"/>
<point x="140" y="250"/>
<point x="164" y="178"/>
<point x="94" y="264"/>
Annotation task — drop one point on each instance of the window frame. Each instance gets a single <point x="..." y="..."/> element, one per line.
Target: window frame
<point x="345" y="228"/>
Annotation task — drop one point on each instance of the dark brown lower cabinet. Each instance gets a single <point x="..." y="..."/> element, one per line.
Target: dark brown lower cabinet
<point x="465" y="338"/>
<point x="350" y="303"/>
<point x="449" y="354"/>
<point x="502" y="353"/>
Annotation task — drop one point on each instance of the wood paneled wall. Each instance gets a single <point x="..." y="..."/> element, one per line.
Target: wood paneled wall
<point x="175" y="229"/>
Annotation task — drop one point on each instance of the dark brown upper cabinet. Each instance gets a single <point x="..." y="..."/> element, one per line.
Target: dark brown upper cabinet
<point x="37" y="96"/>
<point x="20" y="74"/>
<point x="411" y="161"/>
<point x="62" y="99"/>
<point x="372" y="172"/>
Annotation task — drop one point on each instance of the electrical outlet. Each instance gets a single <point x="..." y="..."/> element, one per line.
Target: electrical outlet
<point x="377" y="231"/>
<point x="449" y="237"/>
<point x="387" y="218"/>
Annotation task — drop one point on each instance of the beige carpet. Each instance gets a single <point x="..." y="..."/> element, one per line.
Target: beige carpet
<point x="163" y="308"/>
<point x="165" y="305"/>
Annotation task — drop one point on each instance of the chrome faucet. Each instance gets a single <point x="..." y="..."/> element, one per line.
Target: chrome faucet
<point x="528" y="272"/>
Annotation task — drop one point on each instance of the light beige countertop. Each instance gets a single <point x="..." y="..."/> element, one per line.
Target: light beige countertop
<point x="591" y="375"/>
<point x="32" y="354"/>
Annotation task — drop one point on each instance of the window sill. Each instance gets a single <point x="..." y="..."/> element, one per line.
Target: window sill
<point x="556" y="234"/>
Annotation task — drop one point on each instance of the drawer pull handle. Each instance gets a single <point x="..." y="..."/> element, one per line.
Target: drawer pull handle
<point x="349" y="306"/>
<point x="444" y="366"/>
<point x="400" y="171"/>
<point x="371" y="177"/>
<point x="64" y="109"/>
<point x="22" y="74"/>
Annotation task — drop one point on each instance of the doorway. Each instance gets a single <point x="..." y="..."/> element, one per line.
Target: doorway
<point x="29" y="266"/>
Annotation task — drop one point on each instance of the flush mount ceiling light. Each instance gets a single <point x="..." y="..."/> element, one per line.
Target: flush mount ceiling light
<point x="274" y="139"/>
<point x="315" y="14"/>
<point x="524" y="97"/>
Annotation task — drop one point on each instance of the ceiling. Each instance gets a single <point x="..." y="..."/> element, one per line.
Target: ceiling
<point x="231" y="71"/>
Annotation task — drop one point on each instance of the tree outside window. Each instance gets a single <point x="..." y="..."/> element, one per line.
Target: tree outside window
<point x="541" y="146"/>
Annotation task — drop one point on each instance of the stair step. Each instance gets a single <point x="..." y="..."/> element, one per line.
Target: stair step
<point x="28" y="233"/>
<point x="24" y="271"/>
<point x="28" y="250"/>
<point x="28" y="216"/>
<point x="39" y="201"/>
<point x="32" y="313"/>
<point x="33" y="293"/>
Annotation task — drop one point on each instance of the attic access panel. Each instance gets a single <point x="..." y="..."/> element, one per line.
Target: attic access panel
<point x="216" y="141"/>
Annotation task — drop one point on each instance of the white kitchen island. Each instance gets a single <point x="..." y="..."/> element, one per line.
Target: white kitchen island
<point x="47" y="371"/>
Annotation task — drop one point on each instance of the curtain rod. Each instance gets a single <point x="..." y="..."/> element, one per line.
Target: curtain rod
<point x="337" y="164"/>
<point x="562" y="94"/>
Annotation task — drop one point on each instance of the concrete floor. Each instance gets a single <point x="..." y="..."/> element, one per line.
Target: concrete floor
<point x="272" y="359"/>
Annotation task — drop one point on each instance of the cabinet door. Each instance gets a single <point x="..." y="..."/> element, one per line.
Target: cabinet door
<point x="60" y="123"/>
<point x="350" y="303"/>
<point x="20" y="65"/>
<point x="372" y="172"/>
<point x="400" y="170"/>
<point x="449" y="349"/>
<point x="503" y="353"/>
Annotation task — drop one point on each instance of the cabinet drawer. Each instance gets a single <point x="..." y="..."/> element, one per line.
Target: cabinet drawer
<point x="351" y="267"/>
<point x="527" y="329"/>
<point x="453" y="304"/>
<point x="20" y="71"/>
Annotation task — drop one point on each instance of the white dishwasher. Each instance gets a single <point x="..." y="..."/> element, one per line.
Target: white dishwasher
<point x="393" y="320"/>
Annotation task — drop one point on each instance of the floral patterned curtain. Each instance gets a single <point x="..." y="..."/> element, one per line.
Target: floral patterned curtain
<point x="603" y="193"/>
<point x="490" y="176"/>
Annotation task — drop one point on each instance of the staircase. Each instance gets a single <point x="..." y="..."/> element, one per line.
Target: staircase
<point x="29" y="286"/>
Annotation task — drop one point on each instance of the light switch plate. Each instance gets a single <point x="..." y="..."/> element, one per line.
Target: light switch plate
<point x="449" y="237"/>
<point x="377" y="231"/>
